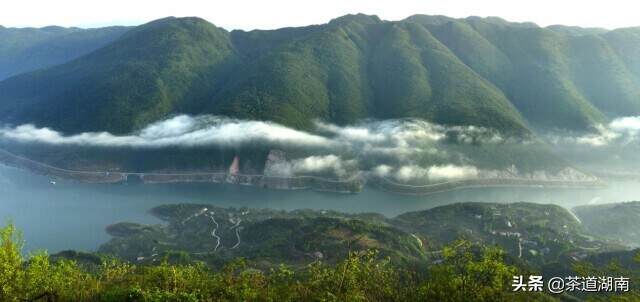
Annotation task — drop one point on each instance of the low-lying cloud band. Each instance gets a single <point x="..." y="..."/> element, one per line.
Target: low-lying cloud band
<point x="406" y="150"/>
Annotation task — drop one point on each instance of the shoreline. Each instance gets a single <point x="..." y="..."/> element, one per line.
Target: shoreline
<point x="422" y="190"/>
<point x="352" y="185"/>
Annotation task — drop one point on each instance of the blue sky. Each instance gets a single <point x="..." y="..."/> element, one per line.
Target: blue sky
<point x="244" y="14"/>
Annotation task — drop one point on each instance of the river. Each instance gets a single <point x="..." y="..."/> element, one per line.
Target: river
<point x="69" y="215"/>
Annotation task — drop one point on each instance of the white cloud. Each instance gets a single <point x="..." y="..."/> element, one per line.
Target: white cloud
<point x="410" y="173"/>
<point x="327" y="163"/>
<point x="324" y="164"/>
<point x="401" y="140"/>
<point x="435" y="173"/>
<point x="629" y="125"/>
<point x="400" y="133"/>
<point x="405" y="139"/>
<point x="352" y="133"/>
<point x="401" y="149"/>
<point x="451" y="172"/>
<point x="382" y="170"/>
<point x="180" y="131"/>
<point x="623" y="130"/>
<point x="170" y="128"/>
<point x="473" y="134"/>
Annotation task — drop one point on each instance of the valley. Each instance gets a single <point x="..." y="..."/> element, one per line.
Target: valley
<point x="428" y="158"/>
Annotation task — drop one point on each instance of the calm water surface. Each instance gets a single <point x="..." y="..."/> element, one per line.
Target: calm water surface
<point x="70" y="215"/>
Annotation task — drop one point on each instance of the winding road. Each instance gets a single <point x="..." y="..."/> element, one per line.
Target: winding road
<point x="213" y="232"/>
<point x="237" y="229"/>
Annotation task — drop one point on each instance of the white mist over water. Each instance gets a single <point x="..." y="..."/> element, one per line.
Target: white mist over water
<point x="73" y="216"/>
<point x="620" y="131"/>
<point x="613" y="148"/>
<point x="179" y="131"/>
<point x="398" y="144"/>
<point x="211" y="130"/>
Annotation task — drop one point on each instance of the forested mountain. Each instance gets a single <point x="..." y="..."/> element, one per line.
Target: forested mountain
<point x="28" y="49"/>
<point x="618" y="222"/>
<point x="473" y="71"/>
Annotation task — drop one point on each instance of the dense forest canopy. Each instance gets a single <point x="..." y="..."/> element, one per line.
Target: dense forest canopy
<point x="474" y="71"/>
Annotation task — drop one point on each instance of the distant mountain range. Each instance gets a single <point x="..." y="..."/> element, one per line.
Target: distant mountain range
<point x="28" y="49"/>
<point x="618" y="222"/>
<point x="514" y="77"/>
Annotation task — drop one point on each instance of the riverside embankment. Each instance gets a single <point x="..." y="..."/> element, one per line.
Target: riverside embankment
<point x="353" y="184"/>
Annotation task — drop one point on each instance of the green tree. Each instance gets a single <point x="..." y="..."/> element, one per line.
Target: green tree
<point x="470" y="273"/>
<point x="11" y="272"/>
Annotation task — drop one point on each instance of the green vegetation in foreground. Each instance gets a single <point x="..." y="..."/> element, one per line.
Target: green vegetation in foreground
<point x="466" y="274"/>
<point x="474" y="71"/>
<point x="322" y="256"/>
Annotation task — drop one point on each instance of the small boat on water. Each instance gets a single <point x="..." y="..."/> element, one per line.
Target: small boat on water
<point x="53" y="182"/>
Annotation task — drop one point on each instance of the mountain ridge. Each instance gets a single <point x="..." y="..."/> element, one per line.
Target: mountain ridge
<point x="29" y="49"/>
<point x="473" y="71"/>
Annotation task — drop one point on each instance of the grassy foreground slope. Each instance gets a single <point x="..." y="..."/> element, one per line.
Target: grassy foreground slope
<point x="467" y="273"/>
<point x="310" y="255"/>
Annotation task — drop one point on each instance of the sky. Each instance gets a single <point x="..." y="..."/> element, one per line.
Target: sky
<point x="248" y="15"/>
